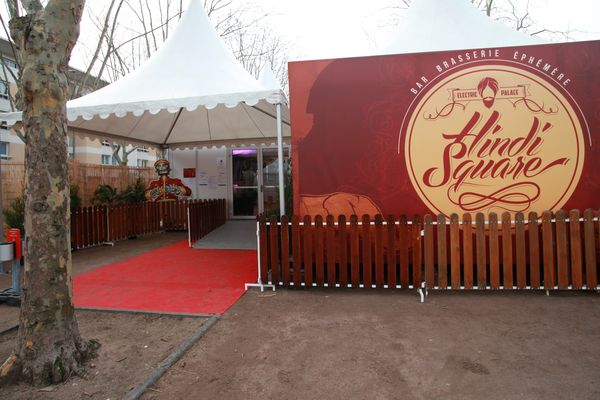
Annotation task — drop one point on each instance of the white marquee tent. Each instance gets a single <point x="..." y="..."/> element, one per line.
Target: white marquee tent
<point x="191" y="92"/>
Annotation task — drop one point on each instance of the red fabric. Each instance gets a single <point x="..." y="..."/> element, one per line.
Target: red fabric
<point x="173" y="278"/>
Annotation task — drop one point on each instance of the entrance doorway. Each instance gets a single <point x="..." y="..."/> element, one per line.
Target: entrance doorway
<point x="255" y="181"/>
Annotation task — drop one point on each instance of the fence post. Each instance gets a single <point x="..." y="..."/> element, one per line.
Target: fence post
<point x="354" y="252"/>
<point x="576" y="257"/>
<point x="308" y="252"/>
<point x="330" y="249"/>
<point x="319" y="249"/>
<point x="442" y="262"/>
<point x="274" y="248"/>
<point x="480" y="244"/>
<point x="189" y="226"/>
<point x="107" y="217"/>
<point x="367" y="252"/>
<point x="391" y="251"/>
<point x="404" y="247"/>
<point x="562" y="249"/>
<point x="285" y="249"/>
<point x="454" y="252"/>
<point x="507" y="252"/>
<point x="296" y="251"/>
<point x="467" y="251"/>
<point x="591" y="274"/>
<point x="429" y="252"/>
<point x="261" y="247"/>
<point x="521" y="251"/>
<point x="494" y="251"/>
<point x="343" y="249"/>
<point x="534" y="250"/>
<point x="417" y="252"/>
<point x="548" y="252"/>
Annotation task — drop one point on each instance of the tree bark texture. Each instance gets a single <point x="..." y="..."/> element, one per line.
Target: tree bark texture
<point x="49" y="347"/>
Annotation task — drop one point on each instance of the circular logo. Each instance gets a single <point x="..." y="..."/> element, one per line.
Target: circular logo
<point x="493" y="138"/>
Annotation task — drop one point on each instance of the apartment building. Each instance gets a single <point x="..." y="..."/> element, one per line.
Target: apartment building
<point x="81" y="148"/>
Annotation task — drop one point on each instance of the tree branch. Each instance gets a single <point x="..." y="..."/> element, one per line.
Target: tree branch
<point x="32" y="6"/>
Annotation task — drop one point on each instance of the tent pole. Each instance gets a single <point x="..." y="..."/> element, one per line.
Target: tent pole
<point x="280" y="161"/>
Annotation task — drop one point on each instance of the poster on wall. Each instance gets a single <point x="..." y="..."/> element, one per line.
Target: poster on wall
<point x="202" y="178"/>
<point x="221" y="171"/>
<point x="489" y="130"/>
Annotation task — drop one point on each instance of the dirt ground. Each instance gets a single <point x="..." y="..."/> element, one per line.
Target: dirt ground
<point x="336" y="344"/>
<point x="322" y="344"/>
<point x="132" y="346"/>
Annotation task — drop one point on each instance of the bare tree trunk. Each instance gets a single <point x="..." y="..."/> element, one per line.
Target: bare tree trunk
<point x="49" y="347"/>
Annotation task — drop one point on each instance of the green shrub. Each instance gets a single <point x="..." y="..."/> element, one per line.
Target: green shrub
<point x="75" y="198"/>
<point x="105" y="195"/>
<point x="14" y="215"/>
<point x="133" y="194"/>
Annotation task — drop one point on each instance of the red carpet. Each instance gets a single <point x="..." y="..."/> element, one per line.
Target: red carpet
<point x="173" y="278"/>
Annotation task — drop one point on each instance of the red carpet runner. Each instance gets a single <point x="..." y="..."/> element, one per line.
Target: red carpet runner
<point x="173" y="278"/>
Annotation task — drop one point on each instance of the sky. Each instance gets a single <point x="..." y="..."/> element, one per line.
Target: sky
<point x="318" y="29"/>
<point x="335" y="28"/>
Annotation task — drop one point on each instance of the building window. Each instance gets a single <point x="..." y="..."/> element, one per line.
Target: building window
<point x="106" y="143"/>
<point x="106" y="159"/>
<point x="4" y="126"/>
<point x="3" y="89"/>
<point x="4" y="150"/>
<point x="142" y="149"/>
<point x="142" y="163"/>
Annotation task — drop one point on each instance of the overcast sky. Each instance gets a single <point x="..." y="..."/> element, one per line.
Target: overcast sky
<point x="335" y="28"/>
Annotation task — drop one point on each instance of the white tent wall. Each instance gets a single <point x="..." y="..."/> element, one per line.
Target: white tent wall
<point x="205" y="161"/>
<point x="191" y="93"/>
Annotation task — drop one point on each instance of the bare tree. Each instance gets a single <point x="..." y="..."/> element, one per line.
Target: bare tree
<point x="122" y="47"/>
<point x="49" y="347"/>
<point x="120" y="152"/>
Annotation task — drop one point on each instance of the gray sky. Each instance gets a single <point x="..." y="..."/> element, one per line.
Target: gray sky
<point x="336" y="28"/>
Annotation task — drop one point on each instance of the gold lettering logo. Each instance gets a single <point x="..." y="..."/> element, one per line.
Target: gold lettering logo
<point x="494" y="138"/>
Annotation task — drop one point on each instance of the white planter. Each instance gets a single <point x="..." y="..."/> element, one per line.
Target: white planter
<point x="6" y="251"/>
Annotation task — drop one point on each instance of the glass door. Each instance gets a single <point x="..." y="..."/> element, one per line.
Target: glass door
<point x="270" y="180"/>
<point x="245" y="182"/>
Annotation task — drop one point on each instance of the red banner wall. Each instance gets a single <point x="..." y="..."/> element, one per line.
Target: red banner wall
<point x="503" y="129"/>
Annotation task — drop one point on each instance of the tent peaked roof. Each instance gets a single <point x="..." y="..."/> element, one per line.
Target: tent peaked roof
<point x="267" y="77"/>
<point x="438" y="25"/>
<point x="191" y="92"/>
<point x="192" y="68"/>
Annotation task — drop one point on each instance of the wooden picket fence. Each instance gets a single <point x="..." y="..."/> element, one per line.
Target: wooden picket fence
<point x="204" y="217"/>
<point x="93" y="226"/>
<point x="554" y="251"/>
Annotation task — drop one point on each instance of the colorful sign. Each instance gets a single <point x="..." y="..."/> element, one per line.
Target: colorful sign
<point x="189" y="172"/>
<point x="14" y="235"/>
<point x="494" y="130"/>
<point x="165" y="188"/>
